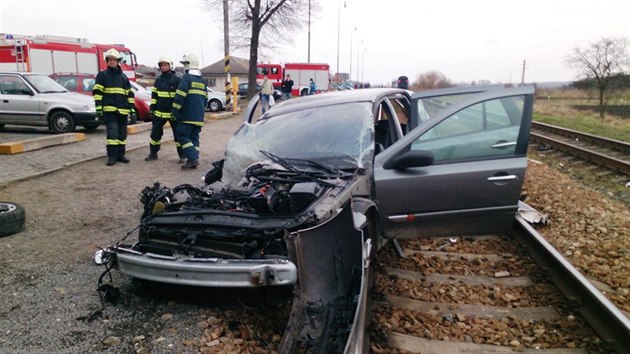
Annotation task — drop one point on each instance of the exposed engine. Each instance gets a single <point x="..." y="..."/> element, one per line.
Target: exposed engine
<point x="249" y="221"/>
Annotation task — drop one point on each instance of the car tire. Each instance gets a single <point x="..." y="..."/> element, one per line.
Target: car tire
<point x="133" y="119"/>
<point x="12" y="218"/>
<point x="214" y="105"/>
<point x="304" y="92"/>
<point x="62" y="122"/>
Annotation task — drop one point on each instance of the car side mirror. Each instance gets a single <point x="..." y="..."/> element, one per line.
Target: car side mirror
<point x="412" y="158"/>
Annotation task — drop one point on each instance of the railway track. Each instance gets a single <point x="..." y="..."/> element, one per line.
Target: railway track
<point x="489" y="294"/>
<point x="610" y="153"/>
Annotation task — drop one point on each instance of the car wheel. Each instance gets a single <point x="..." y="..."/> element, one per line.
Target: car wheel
<point x="304" y="92"/>
<point x="11" y="218"/>
<point x="61" y="122"/>
<point x="214" y="105"/>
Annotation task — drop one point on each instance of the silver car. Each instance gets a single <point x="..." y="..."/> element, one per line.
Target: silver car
<point x="37" y="100"/>
<point x="216" y="100"/>
<point x="307" y="192"/>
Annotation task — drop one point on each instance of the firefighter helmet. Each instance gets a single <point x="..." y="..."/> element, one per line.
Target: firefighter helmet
<point x="167" y="60"/>
<point x="190" y="61"/>
<point x="112" y="53"/>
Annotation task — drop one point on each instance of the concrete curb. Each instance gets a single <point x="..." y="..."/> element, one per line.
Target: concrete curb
<point x="139" y="127"/>
<point x="15" y="147"/>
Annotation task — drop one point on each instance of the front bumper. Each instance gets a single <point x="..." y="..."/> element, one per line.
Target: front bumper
<point x="87" y="118"/>
<point x="208" y="272"/>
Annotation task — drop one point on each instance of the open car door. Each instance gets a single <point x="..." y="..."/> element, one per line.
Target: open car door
<point x="460" y="169"/>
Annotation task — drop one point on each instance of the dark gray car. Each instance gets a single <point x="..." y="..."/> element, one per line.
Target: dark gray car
<point x="307" y="192"/>
<point x="37" y="100"/>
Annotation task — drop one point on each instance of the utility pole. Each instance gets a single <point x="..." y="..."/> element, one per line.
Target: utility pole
<point x="226" y="58"/>
<point x="523" y="74"/>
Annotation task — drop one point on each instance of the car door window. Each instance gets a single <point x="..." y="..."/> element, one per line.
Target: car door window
<point x="486" y="129"/>
<point x="12" y="85"/>
<point x="88" y="84"/>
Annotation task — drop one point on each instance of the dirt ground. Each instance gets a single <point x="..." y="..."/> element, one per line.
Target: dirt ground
<point x="49" y="302"/>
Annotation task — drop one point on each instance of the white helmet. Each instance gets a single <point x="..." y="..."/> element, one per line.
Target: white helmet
<point x="164" y="59"/>
<point x="112" y="53"/>
<point x="190" y="61"/>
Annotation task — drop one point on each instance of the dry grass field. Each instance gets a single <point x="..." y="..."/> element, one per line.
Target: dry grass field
<point x="573" y="109"/>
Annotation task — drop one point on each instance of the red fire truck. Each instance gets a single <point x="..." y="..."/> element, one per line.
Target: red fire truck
<point x="301" y="73"/>
<point x="50" y="54"/>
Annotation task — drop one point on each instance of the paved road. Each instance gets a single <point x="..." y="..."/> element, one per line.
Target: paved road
<point x="37" y="162"/>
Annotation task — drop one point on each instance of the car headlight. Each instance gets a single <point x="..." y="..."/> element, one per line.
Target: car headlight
<point x="89" y="108"/>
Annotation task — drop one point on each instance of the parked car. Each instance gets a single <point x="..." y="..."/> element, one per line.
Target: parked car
<point x="307" y="191"/>
<point x="36" y="100"/>
<point x="216" y="100"/>
<point x="84" y="83"/>
<point x="243" y="87"/>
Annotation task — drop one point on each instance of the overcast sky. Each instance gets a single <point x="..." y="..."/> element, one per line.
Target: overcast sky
<point x="465" y="40"/>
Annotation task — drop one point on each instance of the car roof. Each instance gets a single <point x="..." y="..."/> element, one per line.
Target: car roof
<point x="72" y="74"/>
<point x="335" y="97"/>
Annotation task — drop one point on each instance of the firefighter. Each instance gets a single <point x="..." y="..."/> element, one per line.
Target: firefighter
<point x="189" y="108"/>
<point x="114" y="102"/>
<point x="162" y="96"/>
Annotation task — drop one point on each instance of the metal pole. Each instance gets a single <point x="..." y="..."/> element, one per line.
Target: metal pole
<point x="226" y="58"/>
<point x="358" y="52"/>
<point x="309" y="31"/>
<point x="350" y="71"/>
<point x="363" y="64"/>
<point x="523" y="74"/>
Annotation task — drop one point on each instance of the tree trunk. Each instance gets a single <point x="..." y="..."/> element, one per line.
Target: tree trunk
<point x="253" y="50"/>
<point x="602" y="106"/>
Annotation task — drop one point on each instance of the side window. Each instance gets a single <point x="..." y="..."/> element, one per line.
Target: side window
<point x="13" y="85"/>
<point x="88" y="84"/>
<point x="486" y="129"/>
<point x="70" y="84"/>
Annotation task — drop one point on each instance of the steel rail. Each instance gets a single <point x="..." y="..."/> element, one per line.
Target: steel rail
<point x="612" y="144"/>
<point x="605" y="318"/>
<point x="607" y="161"/>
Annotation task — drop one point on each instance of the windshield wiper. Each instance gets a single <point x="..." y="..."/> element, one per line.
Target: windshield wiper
<point x="290" y="164"/>
<point x="52" y="91"/>
<point x="282" y="162"/>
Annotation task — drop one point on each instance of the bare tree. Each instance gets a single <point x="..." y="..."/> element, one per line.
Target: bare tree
<point x="431" y="80"/>
<point x="272" y="21"/>
<point x="600" y="64"/>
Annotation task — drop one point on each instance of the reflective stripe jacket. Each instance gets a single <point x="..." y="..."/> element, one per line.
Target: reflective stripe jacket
<point x="112" y="92"/>
<point x="163" y="95"/>
<point x="190" y="99"/>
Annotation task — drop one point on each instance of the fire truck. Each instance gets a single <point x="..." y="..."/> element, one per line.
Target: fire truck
<point x="48" y="54"/>
<point x="301" y="73"/>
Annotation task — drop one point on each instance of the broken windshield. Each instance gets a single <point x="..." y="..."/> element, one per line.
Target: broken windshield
<point x="339" y="136"/>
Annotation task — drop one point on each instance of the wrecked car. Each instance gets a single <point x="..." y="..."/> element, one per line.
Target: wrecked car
<point x="308" y="191"/>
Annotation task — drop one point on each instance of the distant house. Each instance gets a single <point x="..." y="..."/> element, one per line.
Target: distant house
<point x="215" y="73"/>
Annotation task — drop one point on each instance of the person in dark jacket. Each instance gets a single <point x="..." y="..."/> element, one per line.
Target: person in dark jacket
<point x="189" y="108"/>
<point x="287" y="87"/>
<point x="114" y="102"/>
<point x="162" y="97"/>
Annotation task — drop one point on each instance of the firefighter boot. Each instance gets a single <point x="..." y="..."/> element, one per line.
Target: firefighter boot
<point x="190" y="165"/>
<point x="111" y="160"/>
<point x="121" y="154"/>
<point x="151" y="157"/>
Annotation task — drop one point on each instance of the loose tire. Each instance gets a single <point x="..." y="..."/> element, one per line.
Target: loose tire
<point x="62" y="122"/>
<point x="214" y="105"/>
<point x="11" y="218"/>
